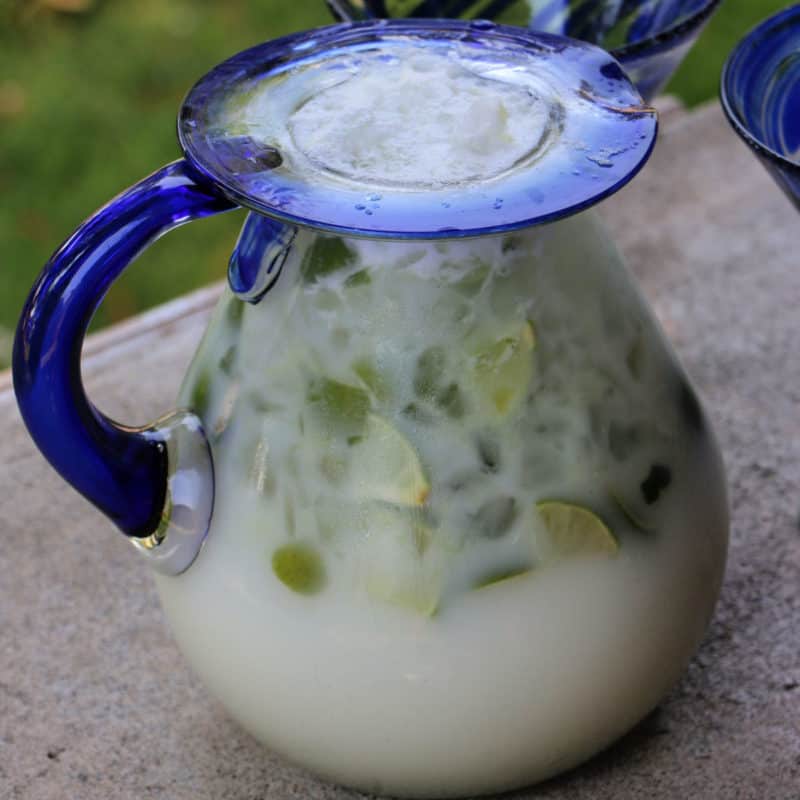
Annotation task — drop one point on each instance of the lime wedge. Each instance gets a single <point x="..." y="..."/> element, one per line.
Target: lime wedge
<point x="636" y="357"/>
<point x="385" y="466"/>
<point x="503" y="370"/>
<point x="573" y="530"/>
<point x="235" y="311"/>
<point x="299" y="567"/>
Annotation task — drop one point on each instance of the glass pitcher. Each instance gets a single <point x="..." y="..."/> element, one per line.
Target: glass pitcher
<point x="439" y="513"/>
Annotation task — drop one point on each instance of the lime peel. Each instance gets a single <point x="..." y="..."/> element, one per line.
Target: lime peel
<point x="299" y="567"/>
<point x="574" y="530"/>
<point x="502" y="576"/>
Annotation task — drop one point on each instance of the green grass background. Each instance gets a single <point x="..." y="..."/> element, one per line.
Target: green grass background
<point x="88" y="97"/>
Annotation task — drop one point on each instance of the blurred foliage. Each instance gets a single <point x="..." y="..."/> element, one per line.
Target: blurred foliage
<point x="697" y="80"/>
<point x="89" y="90"/>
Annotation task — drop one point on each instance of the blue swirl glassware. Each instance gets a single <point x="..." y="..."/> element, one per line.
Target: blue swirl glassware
<point x="760" y="93"/>
<point x="432" y="435"/>
<point x="650" y="38"/>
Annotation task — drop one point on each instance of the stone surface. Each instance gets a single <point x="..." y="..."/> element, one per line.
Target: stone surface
<point x="97" y="704"/>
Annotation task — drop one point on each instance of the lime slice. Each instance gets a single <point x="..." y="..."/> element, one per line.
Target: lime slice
<point x="428" y="371"/>
<point x="360" y="278"/>
<point x="413" y="593"/>
<point x="640" y="501"/>
<point x="493" y="578"/>
<point x="633" y="511"/>
<point x="260" y="469"/>
<point x="393" y="568"/>
<point x="339" y="406"/>
<point x="573" y="530"/>
<point x="200" y="394"/>
<point x="369" y="375"/>
<point x="503" y="370"/>
<point x="451" y="401"/>
<point x="326" y="255"/>
<point x="385" y="466"/>
<point x="299" y="567"/>
<point x="473" y="281"/>
<point x="495" y="517"/>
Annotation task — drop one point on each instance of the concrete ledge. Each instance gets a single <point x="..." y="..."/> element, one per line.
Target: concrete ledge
<point x="97" y="704"/>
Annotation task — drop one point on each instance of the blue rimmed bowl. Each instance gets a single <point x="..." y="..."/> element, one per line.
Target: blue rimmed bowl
<point x="760" y="92"/>
<point x="650" y="38"/>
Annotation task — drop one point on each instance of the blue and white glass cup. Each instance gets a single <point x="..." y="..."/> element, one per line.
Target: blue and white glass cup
<point x="760" y="93"/>
<point x="439" y="512"/>
<point x="650" y="38"/>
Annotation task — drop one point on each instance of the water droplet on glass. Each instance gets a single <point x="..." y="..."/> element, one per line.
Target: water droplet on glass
<point x="374" y="197"/>
<point x="368" y="212"/>
<point x="601" y="161"/>
<point x="360" y="206"/>
<point x="535" y="195"/>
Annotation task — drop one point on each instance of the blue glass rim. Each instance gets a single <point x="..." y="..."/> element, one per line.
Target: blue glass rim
<point x="667" y="38"/>
<point x="627" y="115"/>
<point x="752" y="39"/>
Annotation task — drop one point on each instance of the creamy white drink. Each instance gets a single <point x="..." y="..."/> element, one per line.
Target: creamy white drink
<point x="469" y="523"/>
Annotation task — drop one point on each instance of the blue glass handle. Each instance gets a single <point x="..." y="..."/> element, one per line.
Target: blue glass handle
<point x="122" y="470"/>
